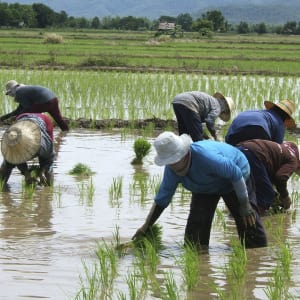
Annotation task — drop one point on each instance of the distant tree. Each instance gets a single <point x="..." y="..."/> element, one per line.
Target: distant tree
<point x="185" y="20"/>
<point x="45" y="16"/>
<point x="168" y="19"/>
<point x="5" y="14"/>
<point x="289" y="28"/>
<point x="243" y="28"/>
<point x="133" y="23"/>
<point x="260" y="28"/>
<point x="61" y="19"/>
<point x="217" y="19"/>
<point x="202" y="25"/>
<point x="95" y="23"/>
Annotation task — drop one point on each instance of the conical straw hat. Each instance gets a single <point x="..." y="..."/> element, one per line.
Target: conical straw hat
<point x="288" y="106"/>
<point x="21" y="142"/>
<point x="225" y="116"/>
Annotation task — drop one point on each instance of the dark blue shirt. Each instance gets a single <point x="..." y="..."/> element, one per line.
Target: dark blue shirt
<point x="267" y="119"/>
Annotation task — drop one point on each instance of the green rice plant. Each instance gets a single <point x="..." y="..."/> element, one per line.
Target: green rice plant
<point x="28" y="189"/>
<point x="115" y="191"/>
<point x="2" y="184"/>
<point x="153" y="236"/>
<point x="235" y="270"/>
<point x="140" y="187"/>
<point x="87" y="191"/>
<point x="285" y="258"/>
<point x="81" y="170"/>
<point x="220" y="218"/>
<point x="89" y="283"/>
<point x="189" y="261"/>
<point x="171" y="289"/>
<point x="141" y="148"/>
<point x="136" y="290"/>
<point x="107" y="260"/>
<point x="278" y="287"/>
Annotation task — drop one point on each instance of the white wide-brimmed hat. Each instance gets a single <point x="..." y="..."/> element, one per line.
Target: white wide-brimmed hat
<point x="21" y="142"/>
<point x="228" y="101"/>
<point x="171" y="148"/>
<point x="10" y="87"/>
<point x="288" y="106"/>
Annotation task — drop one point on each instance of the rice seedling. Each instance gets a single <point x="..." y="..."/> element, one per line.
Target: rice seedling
<point x="87" y="191"/>
<point x="2" y="184"/>
<point x="81" y="170"/>
<point x="136" y="290"/>
<point x="115" y="191"/>
<point x="141" y="148"/>
<point x="190" y="263"/>
<point x="235" y="270"/>
<point x="171" y="289"/>
<point x="28" y="189"/>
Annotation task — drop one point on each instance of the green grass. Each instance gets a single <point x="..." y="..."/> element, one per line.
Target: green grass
<point x="234" y="54"/>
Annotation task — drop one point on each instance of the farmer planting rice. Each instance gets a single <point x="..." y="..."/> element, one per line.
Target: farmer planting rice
<point x="210" y="170"/>
<point x="272" y="165"/>
<point x="194" y="108"/>
<point x="266" y="124"/>
<point x="34" y="99"/>
<point x="29" y="137"/>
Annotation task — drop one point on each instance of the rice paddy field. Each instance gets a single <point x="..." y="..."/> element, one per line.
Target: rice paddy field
<point x="63" y="242"/>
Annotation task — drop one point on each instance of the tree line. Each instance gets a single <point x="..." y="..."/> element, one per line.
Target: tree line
<point x="39" y="15"/>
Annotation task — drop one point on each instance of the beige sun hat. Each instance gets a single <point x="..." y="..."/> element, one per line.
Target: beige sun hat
<point x="11" y="86"/>
<point x="225" y="116"/>
<point x="171" y="148"/>
<point x="288" y="106"/>
<point x="21" y="142"/>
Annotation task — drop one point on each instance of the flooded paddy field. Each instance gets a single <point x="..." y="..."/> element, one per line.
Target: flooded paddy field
<point x="48" y="238"/>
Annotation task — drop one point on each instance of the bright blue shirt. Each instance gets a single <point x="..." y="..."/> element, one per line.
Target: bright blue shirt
<point x="267" y="119"/>
<point x="215" y="166"/>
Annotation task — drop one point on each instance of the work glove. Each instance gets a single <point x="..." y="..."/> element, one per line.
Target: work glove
<point x="247" y="213"/>
<point x="153" y="215"/>
<point x="285" y="202"/>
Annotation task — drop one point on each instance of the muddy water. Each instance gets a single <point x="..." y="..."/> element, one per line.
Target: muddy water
<point x="44" y="238"/>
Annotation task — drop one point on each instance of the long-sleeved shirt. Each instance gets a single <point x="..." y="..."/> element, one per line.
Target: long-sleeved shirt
<point x="203" y="104"/>
<point x="267" y="119"/>
<point x="215" y="166"/>
<point x="279" y="162"/>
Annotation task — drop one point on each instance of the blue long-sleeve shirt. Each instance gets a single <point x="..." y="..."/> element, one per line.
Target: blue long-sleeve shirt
<point x="267" y="119"/>
<point x="215" y="166"/>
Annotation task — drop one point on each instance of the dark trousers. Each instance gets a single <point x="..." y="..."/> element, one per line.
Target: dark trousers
<point x="189" y="122"/>
<point x="201" y="215"/>
<point x="52" y="108"/>
<point x="265" y="193"/>
<point x="247" y="133"/>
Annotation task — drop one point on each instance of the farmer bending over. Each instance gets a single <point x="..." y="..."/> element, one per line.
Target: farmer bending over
<point x="210" y="170"/>
<point x="265" y="124"/>
<point x="194" y="108"/>
<point x="29" y="137"/>
<point x="34" y="99"/>
<point x="272" y="165"/>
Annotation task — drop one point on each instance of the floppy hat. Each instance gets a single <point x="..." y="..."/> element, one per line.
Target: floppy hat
<point x="21" y="142"/>
<point x="225" y="116"/>
<point x="171" y="148"/>
<point x="10" y="86"/>
<point x="288" y="106"/>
